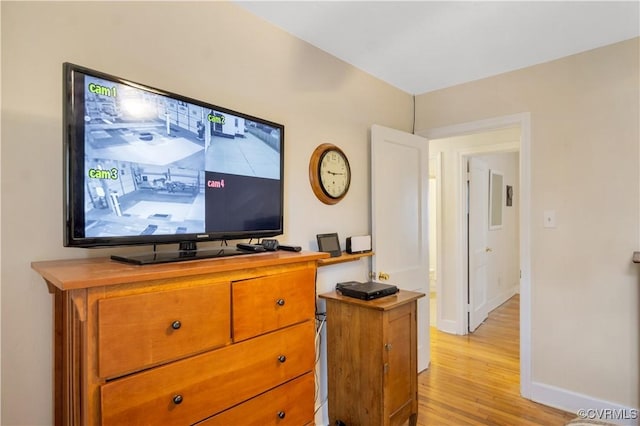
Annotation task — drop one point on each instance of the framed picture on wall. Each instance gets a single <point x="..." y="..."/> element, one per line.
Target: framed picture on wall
<point x="509" y="195"/>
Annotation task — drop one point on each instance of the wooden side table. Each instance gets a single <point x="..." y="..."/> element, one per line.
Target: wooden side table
<point x="372" y="359"/>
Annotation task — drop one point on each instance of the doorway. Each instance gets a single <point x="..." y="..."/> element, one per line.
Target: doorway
<point x="449" y="161"/>
<point x="451" y="297"/>
<point x="493" y="231"/>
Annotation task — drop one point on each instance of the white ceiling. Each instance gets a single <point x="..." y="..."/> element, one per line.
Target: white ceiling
<point x="421" y="46"/>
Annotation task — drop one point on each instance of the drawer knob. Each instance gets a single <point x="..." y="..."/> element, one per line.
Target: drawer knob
<point x="281" y="414"/>
<point x="280" y="302"/>
<point x="282" y="358"/>
<point x="177" y="399"/>
<point x="176" y="325"/>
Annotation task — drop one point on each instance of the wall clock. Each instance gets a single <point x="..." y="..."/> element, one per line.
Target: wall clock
<point x="329" y="173"/>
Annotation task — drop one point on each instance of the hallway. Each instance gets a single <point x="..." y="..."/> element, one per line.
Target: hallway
<point x="475" y="379"/>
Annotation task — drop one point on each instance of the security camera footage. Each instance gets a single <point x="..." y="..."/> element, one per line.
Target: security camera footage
<point x="157" y="165"/>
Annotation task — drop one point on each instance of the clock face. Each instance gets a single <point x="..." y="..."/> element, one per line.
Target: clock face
<point x="334" y="173"/>
<point x="329" y="173"/>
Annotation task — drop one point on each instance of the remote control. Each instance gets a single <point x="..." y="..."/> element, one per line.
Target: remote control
<point x="250" y="247"/>
<point x="288" y="247"/>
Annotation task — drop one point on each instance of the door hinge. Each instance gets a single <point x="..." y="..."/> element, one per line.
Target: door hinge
<point x="468" y="176"/>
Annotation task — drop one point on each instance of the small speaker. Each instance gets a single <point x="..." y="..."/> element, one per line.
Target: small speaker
<point x="360" y="244"/>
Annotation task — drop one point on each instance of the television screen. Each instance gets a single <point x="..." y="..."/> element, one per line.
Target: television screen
<point x="146" y="166"/>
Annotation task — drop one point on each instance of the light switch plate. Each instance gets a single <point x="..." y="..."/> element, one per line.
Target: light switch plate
<point x="549" y="218"/>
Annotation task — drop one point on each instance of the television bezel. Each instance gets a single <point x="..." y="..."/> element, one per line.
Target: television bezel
<point x="73" y="172"/>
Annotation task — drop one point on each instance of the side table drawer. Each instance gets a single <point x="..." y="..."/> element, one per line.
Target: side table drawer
<point x="193" y="389"/>
<point x="289" y="404"/>
<point x="142" y="330"/>
<point x="264" y="304"/>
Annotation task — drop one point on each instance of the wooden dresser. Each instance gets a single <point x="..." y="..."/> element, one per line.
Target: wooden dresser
<point x="372" y="359"/>
<point x="209" y="342"/>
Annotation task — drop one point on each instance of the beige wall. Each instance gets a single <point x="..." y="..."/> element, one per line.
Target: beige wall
<point x="584" y="164"/>
<point x="584" y="117"/>
<point x="212" y="51"/>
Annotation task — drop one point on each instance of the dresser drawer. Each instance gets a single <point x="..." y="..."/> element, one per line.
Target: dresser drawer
<point x="264" y="304"/>
<point x="289" y="404"/>
<point x="193" y="389"/>
<point x="142" y="330"/>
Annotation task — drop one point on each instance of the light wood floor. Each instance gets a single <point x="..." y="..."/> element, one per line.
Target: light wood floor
<point x="475" y="379"/>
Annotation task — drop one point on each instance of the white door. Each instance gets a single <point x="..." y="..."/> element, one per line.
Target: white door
<point x="399" y="218"/>
<point x="478" y="224"/>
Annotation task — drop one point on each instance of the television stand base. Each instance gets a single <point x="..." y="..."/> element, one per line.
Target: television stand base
<point x="178" y="256"/>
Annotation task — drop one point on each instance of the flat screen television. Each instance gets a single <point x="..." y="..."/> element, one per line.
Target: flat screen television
<point x="147" y="166"/>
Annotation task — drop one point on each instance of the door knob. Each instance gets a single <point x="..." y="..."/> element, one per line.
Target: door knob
<point x="383" y="276"/>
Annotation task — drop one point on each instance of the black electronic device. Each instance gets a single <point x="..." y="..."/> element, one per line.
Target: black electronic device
<point x="329" y="243"/>
<point x="270" y="244"/>
<point x="366" y="291"/>
<point x="147" y="166"/>
<point x="289" y="247"/>
<point x="251" y="247"/>
<point x="344" y="284"/>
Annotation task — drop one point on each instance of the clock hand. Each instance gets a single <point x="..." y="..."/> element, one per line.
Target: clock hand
<point x="334" y="173"/>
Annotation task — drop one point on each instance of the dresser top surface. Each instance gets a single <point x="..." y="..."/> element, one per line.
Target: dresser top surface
<point x="72" y="274"/>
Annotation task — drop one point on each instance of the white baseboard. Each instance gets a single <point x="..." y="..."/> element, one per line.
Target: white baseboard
<point x="573" y="402"/>
<point x="501" y="298"/>
<point x="448" y="326"/>
<point x="452" y="327"/>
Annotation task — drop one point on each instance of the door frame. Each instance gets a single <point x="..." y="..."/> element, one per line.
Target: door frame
<point x="437" y="211"/>
<point x="523" y="121"/>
